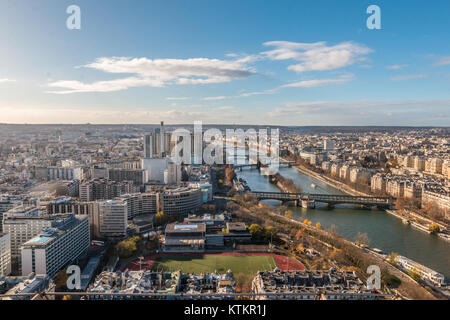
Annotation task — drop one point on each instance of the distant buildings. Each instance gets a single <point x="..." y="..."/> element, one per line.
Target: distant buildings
<point x="56" y="246"/>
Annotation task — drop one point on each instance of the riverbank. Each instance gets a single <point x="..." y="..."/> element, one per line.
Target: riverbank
<point x="330" y="182"/>
<point x="339" y="248"/>
<point x="396" y="213"/>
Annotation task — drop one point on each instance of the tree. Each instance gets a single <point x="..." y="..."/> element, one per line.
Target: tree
<point x="362" y="239"/>
<point x="414" y="275"/>
<point x="434" y="228"/>
<point x="270" y="233"/>
<point x="255" y="230"/>
<point x="128" y="247"/>
<point x="300" y="235"/>
<point x="61" y="279"/>
<point x="392" y="258"/>
<point x="391" y="280"/>
<point x="160" y="219"/>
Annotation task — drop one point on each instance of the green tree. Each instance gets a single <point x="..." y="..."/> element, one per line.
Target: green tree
<point x="160" y="219"/>
<point x="256" y="231"/>
<point x="414" y="275"/>
<point x="270" y="233"/>
<point x="392" y="258"/>
<point x="434" y="228"/>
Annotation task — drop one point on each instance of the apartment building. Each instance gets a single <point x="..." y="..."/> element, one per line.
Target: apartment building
<point x="112" y="219"/>
<point x="22" y="224"/>
<point x="5" y="254"/>
<point x="56" y="246"/>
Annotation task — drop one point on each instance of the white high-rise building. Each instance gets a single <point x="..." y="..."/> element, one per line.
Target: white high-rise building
<point x="5" y="254"/>
<point x="113" y="219"/>
<point x="173" y="174"/>
<point x="328" y="145"/>
<point x="22" y="224"/>
<point x="57" y="246"/>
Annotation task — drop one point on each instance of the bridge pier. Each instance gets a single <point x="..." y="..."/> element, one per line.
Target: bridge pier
<point x="308" y="204"/>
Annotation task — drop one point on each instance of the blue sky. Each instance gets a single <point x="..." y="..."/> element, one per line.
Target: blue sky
<point x="243" y="62"/>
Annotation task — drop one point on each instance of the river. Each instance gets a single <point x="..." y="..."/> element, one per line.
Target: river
<point x="385" y="231"/>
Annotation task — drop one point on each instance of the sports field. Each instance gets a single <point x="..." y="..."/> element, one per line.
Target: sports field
<point x="247" y="264"/>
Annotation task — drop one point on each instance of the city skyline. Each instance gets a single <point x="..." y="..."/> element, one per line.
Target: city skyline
<point x="294" y="64"/>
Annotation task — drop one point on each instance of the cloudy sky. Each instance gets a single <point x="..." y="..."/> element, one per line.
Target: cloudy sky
<point x="234" y="62"/>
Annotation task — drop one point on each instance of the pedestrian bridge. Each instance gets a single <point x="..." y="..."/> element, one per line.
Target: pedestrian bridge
<point x="330" y="199"/>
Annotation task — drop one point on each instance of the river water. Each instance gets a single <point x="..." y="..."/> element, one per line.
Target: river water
<point x="385" y="231"/>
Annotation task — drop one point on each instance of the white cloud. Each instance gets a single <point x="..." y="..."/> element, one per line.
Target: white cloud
<point x="396" y="66"/>
<point x="408" y="77"/>
<point x="442" y="61"/>
<point x="350" y="108"/>
<point x="316" y="56"/>
<point x="214" y="98"/>
<point x="300" y="84"/>
<point x="177" y="98"/>
<point x="318" y="82"/>
<point x="157" y="73"/>
<point x="83" y="115"/>
<point x="7" y="80"/>
<point x="73" y="86"/>
<point x="226" y="108"/>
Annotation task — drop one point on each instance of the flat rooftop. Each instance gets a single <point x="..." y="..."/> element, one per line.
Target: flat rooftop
<point x="182" y="228"/>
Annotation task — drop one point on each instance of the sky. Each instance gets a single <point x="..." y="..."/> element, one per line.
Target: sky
<point x="259" y="62"/>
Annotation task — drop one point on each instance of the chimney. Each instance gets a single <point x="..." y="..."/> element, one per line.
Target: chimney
<point x="161" y="132"/>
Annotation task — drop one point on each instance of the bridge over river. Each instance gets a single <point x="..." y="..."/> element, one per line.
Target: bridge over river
<point x="308" y="200"/>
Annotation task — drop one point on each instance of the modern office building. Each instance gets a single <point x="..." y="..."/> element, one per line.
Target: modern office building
<point x="57" y="246"/>
<point x="112" y="219"/>
<point x="141" y="204"/>
<point x="5" y="254"/>
<point x="181" y="200"/>
<point x="155" y="168"/>
<point x="185" y="237"/>
<point x="172" y="175"/>
<point x="328" y="145"/>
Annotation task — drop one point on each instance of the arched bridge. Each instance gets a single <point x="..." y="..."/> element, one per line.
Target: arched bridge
<point x="308" y="199"/>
